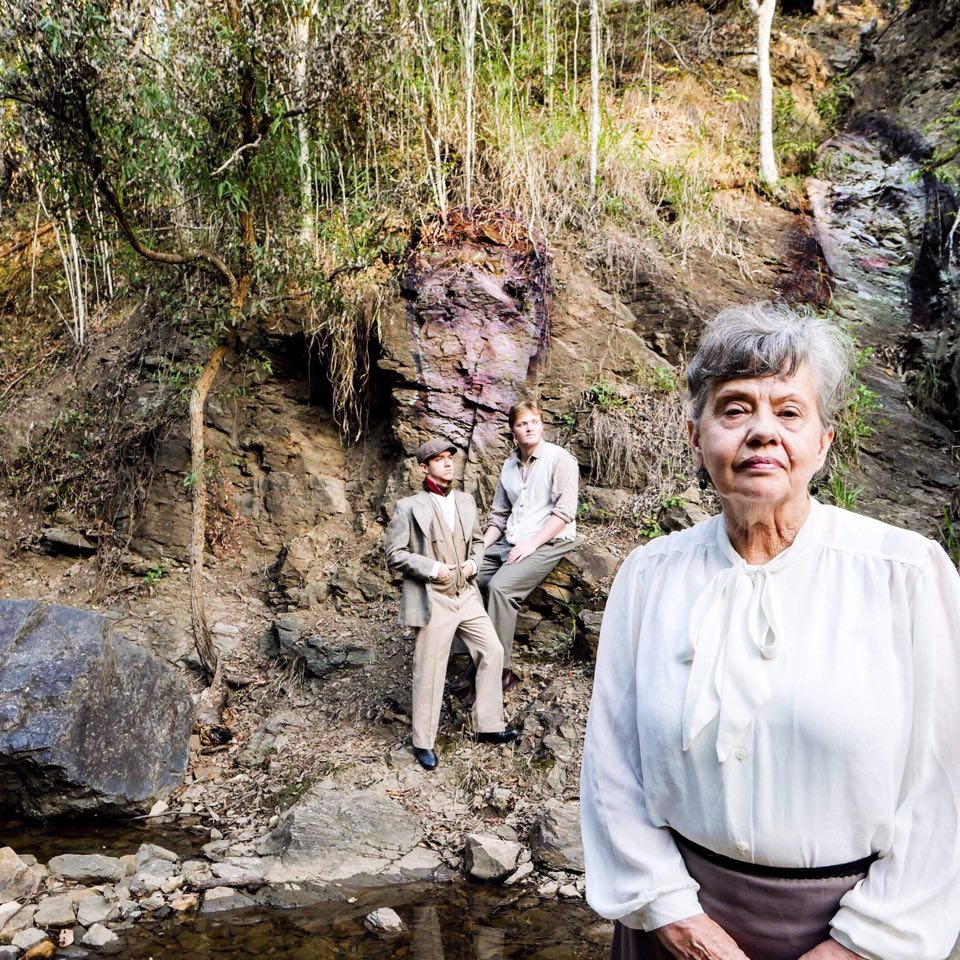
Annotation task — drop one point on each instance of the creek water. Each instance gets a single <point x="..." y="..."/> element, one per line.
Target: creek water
<point x="442" y="922"/>
<point x="461" y="921"/>
<point x="111" y="838"/>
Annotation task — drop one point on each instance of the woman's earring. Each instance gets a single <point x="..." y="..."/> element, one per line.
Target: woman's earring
<point x="703" y="478"/>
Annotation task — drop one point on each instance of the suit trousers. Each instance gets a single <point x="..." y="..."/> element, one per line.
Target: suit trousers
<point x="462" y="616"/>
<point x="508" y="584"/>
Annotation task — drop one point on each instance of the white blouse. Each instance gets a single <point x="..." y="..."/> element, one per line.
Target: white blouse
<point x="801" y="713"/>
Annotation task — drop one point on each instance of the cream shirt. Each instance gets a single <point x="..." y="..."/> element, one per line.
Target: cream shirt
<point x="801" y="713"/>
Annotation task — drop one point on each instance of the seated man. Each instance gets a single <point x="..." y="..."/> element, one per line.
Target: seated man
<point x="532" y="525"/>
<point x="434" y="540"/>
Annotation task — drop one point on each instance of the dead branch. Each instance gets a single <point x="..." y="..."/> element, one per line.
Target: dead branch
<point x="23" y="244"/>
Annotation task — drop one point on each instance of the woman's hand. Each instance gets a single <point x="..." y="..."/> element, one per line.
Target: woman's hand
<point x="700" y="938"/>
<point x="829" y="949"/>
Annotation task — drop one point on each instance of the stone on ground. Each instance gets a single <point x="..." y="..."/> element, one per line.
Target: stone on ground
<point x="88" y="868"/>
<point x="21" y="920"/>
<point x="99" y="938"/>
<point x="28" y="938"/>
<point x="489" y="858"/>
<point x="555" y="837"/>
<point x="44" y="950"/>
<point x="384" y="920"/>
<point x="18" y="879"/>
<point x="96" y="909"/>
<point x="72" y="685"/>
<point x="151" y="851"/>
<point x="225" y="898"/>
<point x="356" y="836"/>
<point x="60" y="911"/>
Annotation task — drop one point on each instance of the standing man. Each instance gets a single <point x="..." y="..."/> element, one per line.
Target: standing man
<point x="434" y="541"/>
<point x="532" y="525"/>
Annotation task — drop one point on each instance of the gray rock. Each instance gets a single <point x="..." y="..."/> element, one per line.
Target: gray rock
<point x="9" y="952"/>
<point x="320" y="656"/>
<point x="58" y="911"/>
<point x="19" y="921"/>
<point x="216" y="849"/>
<point x="195" y="872"/>
<point x="7" y="912"/>
<point x="28" y="938"/>
<point x="99" y="938"/>
<point x="96" y="909"/>
<point x="157" y="868"/>
<point x="225" y="898"/>
<point x="18" y="879"/>
<point x="344" y="837"/>
<point x="88" y="868"/>
<point x="487" y="857"/>
<point x="555" y="837"/>
<point x="150" y="851"/>
<point x="62" y="540"/>
<point x="384" y="920"/>
<point x="71" y="685"/>
<point x="521" y="873"/>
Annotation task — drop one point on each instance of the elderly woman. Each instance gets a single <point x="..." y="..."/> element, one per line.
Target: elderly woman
<point x="772" y="762"/>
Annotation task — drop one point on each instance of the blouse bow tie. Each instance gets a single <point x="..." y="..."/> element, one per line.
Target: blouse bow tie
<point x="734" y="630"/>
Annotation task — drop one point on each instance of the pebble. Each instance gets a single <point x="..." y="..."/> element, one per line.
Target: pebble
<point x="548" y="889"/>
<point x="151" y="851"/>
<point x="569" y="892"/>
<point x="521" y="873"/>
<point x="40" y="951"/>
<point x="56" y="912"/>
<point x="384" y="920"/>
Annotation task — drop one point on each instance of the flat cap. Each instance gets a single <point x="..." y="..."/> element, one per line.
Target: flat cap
<point x="432" y="447"/>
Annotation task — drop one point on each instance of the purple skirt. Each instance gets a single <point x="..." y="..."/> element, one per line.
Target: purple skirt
<point x="771" y="914"/>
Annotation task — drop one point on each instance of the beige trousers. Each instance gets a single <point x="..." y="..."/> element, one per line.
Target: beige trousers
<point x="507" y="585"/>
<point x="460" y="616"/>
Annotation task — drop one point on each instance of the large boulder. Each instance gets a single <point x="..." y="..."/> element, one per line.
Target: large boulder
<point x="89" y="722"/>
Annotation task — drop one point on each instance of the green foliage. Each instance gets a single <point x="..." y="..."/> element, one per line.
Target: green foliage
<point x="856" y="421"/>
<point x="833" y="103"/>
<point x="949" y="534"/>
<point x="795" y="139"/>
<point x="604" y="396"/>
<point x="842" y="492"/>
<point x="154" y="575"/>
<point x="648" y="526"/>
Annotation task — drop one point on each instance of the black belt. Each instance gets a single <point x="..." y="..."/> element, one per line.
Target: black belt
<point x="784" y="873"/>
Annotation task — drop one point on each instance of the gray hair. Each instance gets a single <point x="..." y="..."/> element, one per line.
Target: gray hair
<point x="766" y="339"/>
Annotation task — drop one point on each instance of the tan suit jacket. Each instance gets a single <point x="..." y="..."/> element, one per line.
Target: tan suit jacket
<point x="408" y="549"/>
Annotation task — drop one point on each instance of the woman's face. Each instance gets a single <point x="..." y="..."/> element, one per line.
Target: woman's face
<point x="761" y="438"/>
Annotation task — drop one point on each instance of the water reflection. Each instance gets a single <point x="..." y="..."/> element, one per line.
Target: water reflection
<point x="111" y="837"/>
<point x="461" y="922"/>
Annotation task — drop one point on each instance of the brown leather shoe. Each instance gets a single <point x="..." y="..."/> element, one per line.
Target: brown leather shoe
<point x="463" y="680"/>
<point x="508" y="679"/>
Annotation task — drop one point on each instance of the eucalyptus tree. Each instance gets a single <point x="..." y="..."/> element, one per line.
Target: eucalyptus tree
<point x="186" y="120"/>
<point x="764" y="11"/>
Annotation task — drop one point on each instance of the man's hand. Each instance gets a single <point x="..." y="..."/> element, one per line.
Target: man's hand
<point x="829" y="949"/>
<point x="700" y="938"/>
<point x="444" y="573"/>
<point x="521" y="551"/>
<point x="467" y="569"/>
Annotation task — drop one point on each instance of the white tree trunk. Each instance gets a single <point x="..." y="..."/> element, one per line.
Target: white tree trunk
<point x="300" y="35"/>
<point x="594" y="93"/>
<point x="768" y="163"/>
<point x="469" y="56"/>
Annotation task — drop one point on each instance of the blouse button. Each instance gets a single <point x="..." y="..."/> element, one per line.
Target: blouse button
<point x="741" y="753"/>
<point x="743" y="846"/>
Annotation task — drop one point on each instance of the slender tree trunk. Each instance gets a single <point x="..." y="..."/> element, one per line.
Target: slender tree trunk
<point x="594" y="94"/>
<point x="198" y="617"/>
<point x="768" y="163"/>
<point x="469" y="52"/>
<point x="300" y="29"/>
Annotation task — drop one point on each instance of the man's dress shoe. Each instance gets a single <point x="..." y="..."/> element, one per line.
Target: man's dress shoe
<point x="508" y="679"/>
<point x="426" y="758"/>
<point x="498" y="737"/>
<point x="463" y="680"/>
